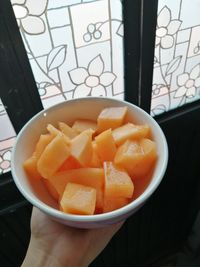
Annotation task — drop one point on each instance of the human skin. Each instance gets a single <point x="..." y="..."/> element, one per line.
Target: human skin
<point x="55" y="245"/>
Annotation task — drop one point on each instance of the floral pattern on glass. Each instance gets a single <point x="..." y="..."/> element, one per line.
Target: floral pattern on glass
<point x="28" y="15"/>
<point x="188" y="83"/>
<point x="65" y="41"/>
<point x="93" y="80"/>
<point x="166" y="28"/>
<point x="75" y="49"/>
<point x="176" y="77"/>
<point x="5" y="161"/>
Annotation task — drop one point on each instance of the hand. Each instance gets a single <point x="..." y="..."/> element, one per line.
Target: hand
<point x="55" y="245"/>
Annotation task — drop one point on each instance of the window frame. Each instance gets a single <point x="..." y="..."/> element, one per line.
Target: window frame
<point x="18" y="88"/>
<point x="139" y="67"/>
<point x="139" y="55"/>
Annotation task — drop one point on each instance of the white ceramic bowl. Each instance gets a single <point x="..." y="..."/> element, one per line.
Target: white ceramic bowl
<point x="68" y="111"/>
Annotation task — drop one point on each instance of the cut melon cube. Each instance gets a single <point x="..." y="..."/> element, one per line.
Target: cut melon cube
<point x="69" y="164"/>
<point x="44" y="140"/>
<point x="78" y="199"/>
<point x="111" y="118"/>
<point x="141" y="184"/>
<point x="148" y="160"/>
<point x="130" y="131"/>
<point x="81" y="125"/>
<point x="54" y="131"/>
<point x="117" y="182"/>
<point x="67" y="130"/>
<point x="54" y="155"/>
<point x="93" y="177"/>
<point x="137" y="157"/>
<point x="30" y="167"/>
<point x="51" y="189"/>
<point x="105" y="146"/>
<point x="129" y="155"/>
<point x="81" y="148"/>
<point x="95" y="161"/>
<point x="111" y="204"/>
<point x="99" y="200"/>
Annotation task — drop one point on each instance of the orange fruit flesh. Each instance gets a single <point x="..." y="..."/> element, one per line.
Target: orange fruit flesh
<point x="111" y="204"/>
<point x="105" y="146"/>
<point x="30" y="167"/>
<point x="43" y="141"/>
<point x="80" y="126"/>
<point x="117" y="182"/>
<point x="93" y="177"/>
<point x="95" y="161"/>
<point x="111" y="118"/>
<point x="78" y="199"/>
<point x="67" y="130"/>
<point x="90" y="175"/>
<point x="136" y="157"/>
<point x="130" y="131"/>
<point x="54" y="155"/>
<point x="51" y="189"/>
<point x="81" y="148"/>
<point x="69" y="164"/>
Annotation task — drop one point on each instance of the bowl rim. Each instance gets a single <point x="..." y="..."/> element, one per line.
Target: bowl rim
<point x="96" y="217"/>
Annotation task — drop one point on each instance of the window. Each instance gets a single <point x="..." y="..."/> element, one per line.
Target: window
<point x="176" y="78"/>
<point x="7" y="138"/>
<point x="75" y="48"/>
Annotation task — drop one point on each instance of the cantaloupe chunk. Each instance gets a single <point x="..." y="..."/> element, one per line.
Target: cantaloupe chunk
<point x="130" y="131"/>
<point x="69" y="164"/>
<point x="93" y="177"/>
<point x="112" y="117"/>
<point x="67" y="130"/>
<point x="111" y="204"/>
<point x="137" y="157"/>
<point x="81" y="125"/>
<point x="95" y="161"/>
<point x="54" y="131"/>
<point x="93" y="167"/>
<point x="99" y="201"/>
<point x="105" y="146"/>
<point x="81" y="147"/>
<point x="149" y="159"/>
<point x="43" y="141"/>
<point x="78" y="199"/>
<point x="51" y="189"/>
<point x="30" y="167"/>
<point x="54" y="155"/>
<point x="141" y="184"/>
<point x="117" y="182"/>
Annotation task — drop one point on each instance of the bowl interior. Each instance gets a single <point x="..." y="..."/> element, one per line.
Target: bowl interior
<point x="86" y="108"/>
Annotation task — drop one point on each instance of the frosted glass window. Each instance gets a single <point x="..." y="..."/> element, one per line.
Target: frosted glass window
<point x="7" y="138"/>
<point x="75" y="47"/>
<point x="176" y="78"/>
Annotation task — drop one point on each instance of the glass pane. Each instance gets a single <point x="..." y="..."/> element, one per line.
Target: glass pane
<point x="75" y="47"/>
<point x="7" y="138"/>
<point x="176" y="79"/>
